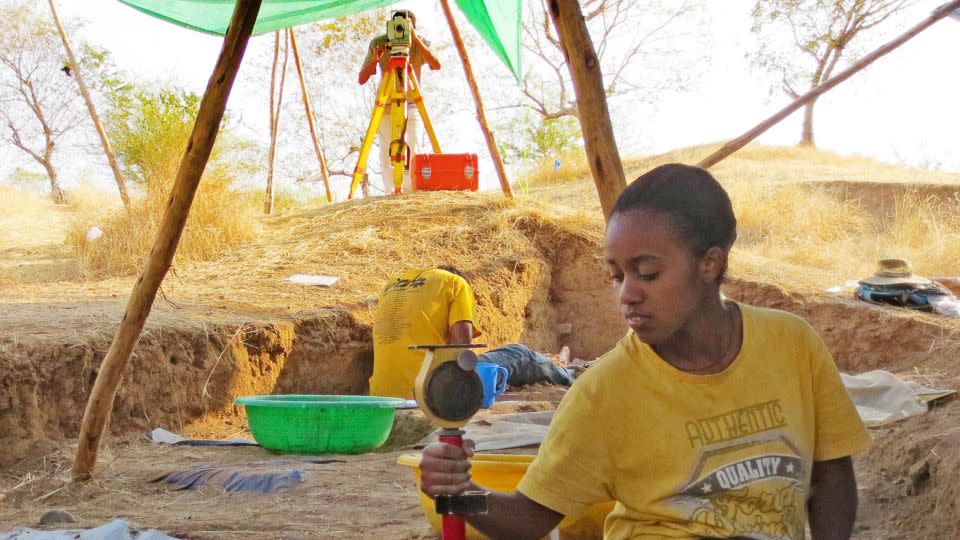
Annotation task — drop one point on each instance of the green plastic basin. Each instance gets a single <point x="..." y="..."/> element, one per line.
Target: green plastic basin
<point x="317" y="424"/>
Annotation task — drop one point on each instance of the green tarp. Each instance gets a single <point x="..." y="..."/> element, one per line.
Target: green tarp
<point x="497" y="21"/>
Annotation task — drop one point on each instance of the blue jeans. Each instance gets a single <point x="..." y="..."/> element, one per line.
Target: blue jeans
<point x="527" y="366"/>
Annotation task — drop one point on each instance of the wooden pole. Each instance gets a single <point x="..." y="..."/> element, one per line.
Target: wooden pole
<point x="268" y="198"/>
<point x="75" y="67"/>
<point x="478" y="101"/>
<point x="598" y="139"/>
<point x="194" y="161"/>
<point x="267" y="202"/>
<point x="306" y="106"/>
<point x="752" y="134"/>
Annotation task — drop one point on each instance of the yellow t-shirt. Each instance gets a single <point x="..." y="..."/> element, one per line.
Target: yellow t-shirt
<point x="415" y="308"/>
<point x="692" y="456"/>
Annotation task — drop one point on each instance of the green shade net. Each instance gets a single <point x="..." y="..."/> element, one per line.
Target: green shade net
<point x="497" y="21"/>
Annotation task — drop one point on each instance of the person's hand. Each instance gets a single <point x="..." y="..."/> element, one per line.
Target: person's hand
<point x="444" y="469"/>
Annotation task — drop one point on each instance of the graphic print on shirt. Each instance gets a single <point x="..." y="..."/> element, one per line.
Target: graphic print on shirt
<point x="391" y="320"/>
<point x="749" y="477"/>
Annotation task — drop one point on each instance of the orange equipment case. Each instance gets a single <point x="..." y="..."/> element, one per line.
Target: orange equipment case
<point x="444" y="172"/>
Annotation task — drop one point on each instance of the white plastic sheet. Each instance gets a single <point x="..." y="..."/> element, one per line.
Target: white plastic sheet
<point x="882" y="398"/>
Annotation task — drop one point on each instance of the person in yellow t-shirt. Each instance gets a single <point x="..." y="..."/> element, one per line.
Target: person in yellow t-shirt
<point x="709" y="419"/>
<point x="418" y="307"/>
<point x="436" y="306"/>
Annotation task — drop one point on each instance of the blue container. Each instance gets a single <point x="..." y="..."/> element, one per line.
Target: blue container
<point x="494" y="380"/>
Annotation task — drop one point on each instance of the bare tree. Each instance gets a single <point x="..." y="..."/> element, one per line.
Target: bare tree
<point x="94" y="117"/>
<point x="39" y="102"/>
<point x="805" y="41"/>
<point x="632" y="38"/>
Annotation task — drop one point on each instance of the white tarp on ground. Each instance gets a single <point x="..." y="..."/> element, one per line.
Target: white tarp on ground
<point x="882" y="398"/>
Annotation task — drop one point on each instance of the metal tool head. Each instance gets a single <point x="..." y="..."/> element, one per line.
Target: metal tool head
<point x="449" y="389"/>
<point x="453" y="393"/>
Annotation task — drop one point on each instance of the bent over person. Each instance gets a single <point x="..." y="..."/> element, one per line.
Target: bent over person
<point x="433" y="307"/>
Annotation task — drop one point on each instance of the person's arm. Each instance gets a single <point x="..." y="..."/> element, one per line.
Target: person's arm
<point x="374" y="51"/>
<point x="461" y="333"/>
<point x="428" y="56"/>
<point x="832" y="506"/>
<point x="444" y="470"/>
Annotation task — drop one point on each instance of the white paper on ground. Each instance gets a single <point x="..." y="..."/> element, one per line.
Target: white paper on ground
<point x="309" y="279"/>
<point x="882" y="398"/>
<point x="160" y="435"/>
<point x="94" y="233"/>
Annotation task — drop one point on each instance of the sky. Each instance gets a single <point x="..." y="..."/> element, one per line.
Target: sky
<point x="903" y="109"/>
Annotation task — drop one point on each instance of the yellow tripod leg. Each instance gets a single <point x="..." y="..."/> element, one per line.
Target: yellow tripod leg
<point x="417" y="99"/>
<point x="383" y="94"/>
<point x="398" y="118"/>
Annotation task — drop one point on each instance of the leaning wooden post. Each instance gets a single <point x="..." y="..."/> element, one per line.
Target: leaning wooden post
<point x="194" y="161"/>
<point x="75" y="66"/>
<point x="598" y="139"/>
<point x="275" y="117"/>
<point x="306" y="105"/>
<point x="741" y="141"/>
<point x="478" y="101"/>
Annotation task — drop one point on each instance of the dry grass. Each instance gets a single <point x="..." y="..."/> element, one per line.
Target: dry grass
<point x="810" y="234"/>
<point x="784" y="214"/>
<point x="366" y="241"/>
<point x="87" y="199"/>
<point x="21" y="210"/>
<point x="219" y="219"/>
<point x="791" y="231"/>
<point x="573" y="167"/>
<point x="767" y="165"/>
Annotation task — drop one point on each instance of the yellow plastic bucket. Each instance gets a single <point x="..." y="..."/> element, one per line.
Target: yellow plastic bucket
<point x="502" y="472"/>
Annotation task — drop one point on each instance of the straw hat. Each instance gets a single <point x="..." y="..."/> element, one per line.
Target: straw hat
<point x="894" y="272"/>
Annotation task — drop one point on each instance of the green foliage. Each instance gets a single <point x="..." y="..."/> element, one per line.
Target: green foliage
<point x="345" y="30"/>
<point x="150" y="129"/>
<point x="100" y="73"/>
<point x="26" y="178"/>
<point x="531" y="139"/>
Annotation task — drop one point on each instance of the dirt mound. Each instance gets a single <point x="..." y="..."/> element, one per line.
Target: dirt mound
<point x="910" y="478"/>
<point x="880" y="198"/>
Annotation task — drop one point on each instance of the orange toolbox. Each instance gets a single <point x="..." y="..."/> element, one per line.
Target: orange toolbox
<point x="444" y="172"/>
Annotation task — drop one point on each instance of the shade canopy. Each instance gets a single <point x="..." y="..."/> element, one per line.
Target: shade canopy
<point x="497" y="21"/>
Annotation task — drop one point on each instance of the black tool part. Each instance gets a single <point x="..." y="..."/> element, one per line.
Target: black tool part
<point x="452" y="393"/>
<point x="454" y="346"/>
<point x="470" y="503"/>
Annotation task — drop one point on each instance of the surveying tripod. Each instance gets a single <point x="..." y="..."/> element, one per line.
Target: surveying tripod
<point x="398" y="82"/>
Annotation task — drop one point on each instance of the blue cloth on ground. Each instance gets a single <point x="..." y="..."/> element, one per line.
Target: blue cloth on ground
<point x="259" y="477"/>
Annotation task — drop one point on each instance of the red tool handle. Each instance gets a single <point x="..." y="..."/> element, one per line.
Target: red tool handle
<point x="454" y="527"/>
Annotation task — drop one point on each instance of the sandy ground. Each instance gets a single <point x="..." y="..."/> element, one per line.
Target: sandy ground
<point x="901" y="479"/>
